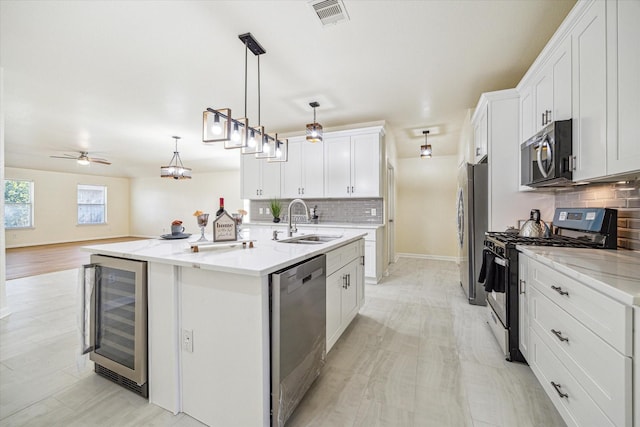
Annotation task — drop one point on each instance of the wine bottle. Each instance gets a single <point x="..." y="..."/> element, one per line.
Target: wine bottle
<point x="221" y="210"/>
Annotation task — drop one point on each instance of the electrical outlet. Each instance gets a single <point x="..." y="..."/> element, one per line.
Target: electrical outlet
<point x="261" y="211"/>
<point x="267" y="211"/>
<point x="373" y="211"/>
<point x="187" y="340"/>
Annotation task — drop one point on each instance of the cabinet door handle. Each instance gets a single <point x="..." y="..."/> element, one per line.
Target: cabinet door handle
<point x="347" y="189"/>
<point x="302" y="190"/>
<point x="558" y="387"/>
<point x="477" y="151"/>
<point x="572" y="163"/>
<point x="542" y="122"/>
<point x="362" y="259"/>
<point x="523" y="284"/>
<point x="257" y="192"/>
<point x="559" y="290"/>
<point x="559" y="335"/>
<point x="344" y="281"/>
<point x="352" y="190"/>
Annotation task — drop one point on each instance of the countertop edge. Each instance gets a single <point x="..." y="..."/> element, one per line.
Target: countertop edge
<point x="594" y="283"/>
<point x="320" y="249"/>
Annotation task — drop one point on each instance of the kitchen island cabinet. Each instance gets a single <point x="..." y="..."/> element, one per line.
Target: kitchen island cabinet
<point x="581" y="305"/>
<point x="219" y="298"/>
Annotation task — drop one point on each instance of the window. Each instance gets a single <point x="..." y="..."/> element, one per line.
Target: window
<point x="18" y="203"/>
<point x="92" y="204"/>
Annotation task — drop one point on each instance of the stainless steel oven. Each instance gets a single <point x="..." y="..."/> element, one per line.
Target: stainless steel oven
<point x="573" y="227"/>
<point x="115" y="320"/>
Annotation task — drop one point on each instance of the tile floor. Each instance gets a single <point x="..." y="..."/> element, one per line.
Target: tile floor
<point x="417" y="355"/>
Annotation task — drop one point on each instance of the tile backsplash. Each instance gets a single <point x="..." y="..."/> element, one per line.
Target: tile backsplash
<point x="352" y="211"/>
<point x="623" y="197"/>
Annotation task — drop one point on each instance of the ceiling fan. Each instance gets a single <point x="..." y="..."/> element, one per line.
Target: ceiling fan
<point x="83" y="159"/>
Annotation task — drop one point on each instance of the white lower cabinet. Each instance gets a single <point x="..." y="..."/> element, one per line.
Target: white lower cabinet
<point x="345" y="288"/>
<point x="523" y="327"/>
<point x="579" y="346"/>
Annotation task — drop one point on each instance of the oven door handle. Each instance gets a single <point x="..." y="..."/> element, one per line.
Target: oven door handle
<point x="501" y="261"/>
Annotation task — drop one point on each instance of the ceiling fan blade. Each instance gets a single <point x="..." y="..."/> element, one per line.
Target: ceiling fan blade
<point x="101" y="161"/>
<point x="65" y="157"/>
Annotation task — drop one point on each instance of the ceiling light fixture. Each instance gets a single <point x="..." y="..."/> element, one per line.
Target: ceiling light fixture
<point x="176" y="169"/>
<point x="281" y="150"/>
<point x="425" y="150"/>
<point x="83" y="160"/>
<point x="314" y="130"/>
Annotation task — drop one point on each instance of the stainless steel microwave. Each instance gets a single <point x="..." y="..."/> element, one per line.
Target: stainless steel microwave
<point x="546" y="157"/>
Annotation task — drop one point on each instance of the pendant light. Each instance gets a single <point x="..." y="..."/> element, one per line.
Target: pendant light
<point x="314" y="130"/>
<point x="281" y="150"/>
<point x="176" y="169"/>
<point x="425" y="150"/>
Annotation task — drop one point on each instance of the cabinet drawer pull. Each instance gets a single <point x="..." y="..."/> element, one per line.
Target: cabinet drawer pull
<point x="560" y="393"/>
<point x="523" y="283"/>
<point x="559" y="335"/>
<point x="559" y="290"/>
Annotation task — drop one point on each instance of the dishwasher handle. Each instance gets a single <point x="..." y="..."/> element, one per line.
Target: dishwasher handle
<point x="294" y="285"/>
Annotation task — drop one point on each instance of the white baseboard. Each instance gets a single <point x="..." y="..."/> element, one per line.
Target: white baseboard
<point x="433" y="257"/>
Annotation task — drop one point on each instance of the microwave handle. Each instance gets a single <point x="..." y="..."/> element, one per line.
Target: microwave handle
<point x="88" y="300"/>
<point x="542" y="171"/>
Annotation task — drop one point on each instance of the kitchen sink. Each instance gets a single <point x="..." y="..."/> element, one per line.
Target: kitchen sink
<point x="310" y="239"/>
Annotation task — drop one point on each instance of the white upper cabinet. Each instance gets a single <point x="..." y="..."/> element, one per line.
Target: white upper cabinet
<point x="590" y="93"/>
<point x="480" y="134"/>
<point x="589" y="72"/>
<point x="260" y="178"/>
<point x="623" y="86"/>
<point x="303" y="174"/>
<point x="353" y="164"/>
<point x="547" y="96"/>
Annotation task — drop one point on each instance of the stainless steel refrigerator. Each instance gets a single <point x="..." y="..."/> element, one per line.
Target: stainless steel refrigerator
<point x="472" y="224"/>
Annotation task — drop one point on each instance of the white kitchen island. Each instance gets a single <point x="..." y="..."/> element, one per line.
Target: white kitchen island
<point x="221" y="296"/>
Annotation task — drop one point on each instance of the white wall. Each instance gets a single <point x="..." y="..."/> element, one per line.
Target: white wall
<point x="426" y="200"/>
<point x="155" y="202"/>
<point x="56" y="209"/>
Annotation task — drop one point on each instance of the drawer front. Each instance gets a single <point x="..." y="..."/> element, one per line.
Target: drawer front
<point x="576" y="407"/>
<point x="609" y="319"/>
<point x="601" y="370"/>
<point x="340" y="257"/>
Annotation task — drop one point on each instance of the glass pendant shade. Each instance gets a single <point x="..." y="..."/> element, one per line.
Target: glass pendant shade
<point x="216" y="125"/>
<point x="425" y="150"/>
<point x="176" y="169"/>
<point x="314" y="130"/>
<point x="254" y="138"/>
<point x="268" y="147"/>
<point x="282" y="151"/>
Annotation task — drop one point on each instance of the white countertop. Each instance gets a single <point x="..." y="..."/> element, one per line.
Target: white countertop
<point x="266" y="257"/>
<point x="613" y="273"/>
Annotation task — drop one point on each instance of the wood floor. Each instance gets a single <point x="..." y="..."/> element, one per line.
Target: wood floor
<point x="417" y="354"/>
<point x="34" y="260"/>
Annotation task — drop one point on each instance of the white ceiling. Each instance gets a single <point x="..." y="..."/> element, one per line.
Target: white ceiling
<point x="118" y="79"/>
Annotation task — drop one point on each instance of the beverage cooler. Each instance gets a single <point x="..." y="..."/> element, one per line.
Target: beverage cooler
<point x="114" y="320"/>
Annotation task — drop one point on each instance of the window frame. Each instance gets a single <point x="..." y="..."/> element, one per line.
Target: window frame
<point x="31" y="205"/>
<point x="104" y="204"/>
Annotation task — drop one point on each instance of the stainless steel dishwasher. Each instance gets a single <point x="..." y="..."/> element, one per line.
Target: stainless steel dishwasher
<point x="298" y="334"/>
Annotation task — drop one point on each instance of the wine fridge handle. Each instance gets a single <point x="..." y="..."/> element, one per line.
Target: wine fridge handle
<point x="88" y="308"/>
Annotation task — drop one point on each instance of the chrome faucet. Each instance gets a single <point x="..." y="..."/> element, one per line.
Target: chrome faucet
<point x="293" y="229"/>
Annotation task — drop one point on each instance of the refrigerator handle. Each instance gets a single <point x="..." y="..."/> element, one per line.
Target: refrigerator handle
<point x="88" y="300"/>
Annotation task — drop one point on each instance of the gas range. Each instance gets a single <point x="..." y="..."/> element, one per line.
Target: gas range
<point x="586" y="228"/>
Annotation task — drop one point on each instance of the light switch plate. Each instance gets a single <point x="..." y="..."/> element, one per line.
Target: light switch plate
<point x="261" y="211"/>
<point x="267" y="211"/>
<point x="187" y="340"/>
<point x="373" y="211"/>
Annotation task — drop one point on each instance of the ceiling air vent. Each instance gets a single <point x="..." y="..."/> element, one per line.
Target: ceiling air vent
<point x="330" y="11"/>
